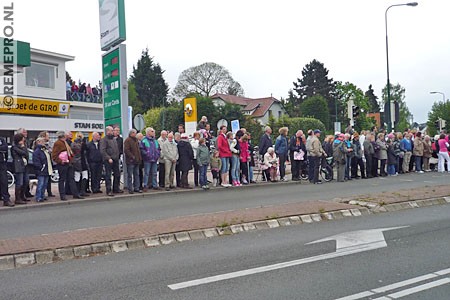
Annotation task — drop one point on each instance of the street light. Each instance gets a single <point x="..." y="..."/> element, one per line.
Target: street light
<point x="388" y="107"/>
<point x="443" y="95"/>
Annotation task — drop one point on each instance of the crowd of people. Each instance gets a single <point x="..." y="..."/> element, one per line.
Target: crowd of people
<point x="83" y="92"/>
<point x="232" y="158"/>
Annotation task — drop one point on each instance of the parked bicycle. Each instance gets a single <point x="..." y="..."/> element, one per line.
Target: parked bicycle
<point x="326" y="169"/>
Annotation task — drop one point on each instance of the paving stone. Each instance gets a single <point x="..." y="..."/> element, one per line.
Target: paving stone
<point x="413" y="204"/>
<point x="355" y="212"/>
<point x="197" y="235"/>
<point x="447" y="199"/>
<point x="64" y="253"/>
<point x="135" y="244"/>
<point x="353" y="202"/>
<point x="249" y="226"/>
<point x="295" y="220"/>
<point x="346" y="213"/>
<point x="284" y="222"/>
<point x="211" y="232"/>
<point x="327" y="216"/>
<point x="442" y="201"/>
<point x="316" y="217"/>
<point x="380" y="209"/>
<point x="273" y="223"/>
<point x="24" y="260"/>
<point x="152" y="241"/>
<point x="306" y="218"/>
<point x="224" y="231"/>
<point x="421" y="203"/>
<point x="236" y="228"/>
<point x="101" y="248"/>
<point x="6" y="262"/>
<point x="435" y="201"/>
<point x="182" y="236"/>
<point x="391" y="207"/>
<point x="364" y="211"/>
<point x="167" y="239"/>
<point x="44" y="257"/>
<point x="119" y="246"/>
<point x="405" y="205"/>
<point x="337" y="215"/>
<point x="261" y="225"/>
<point x="82" y="251"/>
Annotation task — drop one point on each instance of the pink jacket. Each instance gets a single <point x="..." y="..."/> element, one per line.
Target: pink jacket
<point x="244" y="154"/>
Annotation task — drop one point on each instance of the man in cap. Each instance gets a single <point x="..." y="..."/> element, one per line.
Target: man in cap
<point x="316" y="154"/>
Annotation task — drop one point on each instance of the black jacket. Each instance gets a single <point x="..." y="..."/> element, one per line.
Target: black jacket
<point x="186" y="156"/>
<point x="93" y="153"/>
<point x="264" y="143"/>
<point x="3" y="151"/>
<point x="294" y="147"/>
<point x="19" y="155"/>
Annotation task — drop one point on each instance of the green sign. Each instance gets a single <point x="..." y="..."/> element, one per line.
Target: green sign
<point x="112" y="23"/>
<point x="111" y="85"/>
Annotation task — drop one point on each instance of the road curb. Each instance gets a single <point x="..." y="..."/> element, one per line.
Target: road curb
<point x="21" y="260"/>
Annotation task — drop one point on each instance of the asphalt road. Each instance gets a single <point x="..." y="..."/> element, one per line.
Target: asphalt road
<point x="415" y="253"/>
<point x="49" y="219"/>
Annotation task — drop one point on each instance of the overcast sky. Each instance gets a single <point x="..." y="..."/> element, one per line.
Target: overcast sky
<point x="264" y="44"/>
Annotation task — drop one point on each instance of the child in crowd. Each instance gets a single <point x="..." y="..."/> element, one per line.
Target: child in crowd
<point x="203" y="162"/>
<point x="216" y="165"/>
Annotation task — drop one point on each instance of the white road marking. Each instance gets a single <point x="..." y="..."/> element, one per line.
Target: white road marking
<point x="346" y="244"/>
<point x="401" y="284"/>
<point x="418" y="289"/>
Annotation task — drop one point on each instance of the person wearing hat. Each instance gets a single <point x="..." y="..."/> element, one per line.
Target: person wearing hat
<point x="316" y="155"/>
<point x="339" y="156"/>
<point x="62" y="154"/>
<point x="186" y="156"/>
<point x="357" y="158"/>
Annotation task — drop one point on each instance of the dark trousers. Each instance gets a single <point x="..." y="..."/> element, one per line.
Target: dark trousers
<point x="141" y="176"/>
<point x="112" y="169"/>
<point x="282" y="158"/>
<point x="355" y="163"/>
<point x="310" y="168"/>
<point x="4" y="194"/>
<point x="296" y="166"/>
<point x="178" y="176"/>
<point x="184" y="178"/>
<point x="196" y="171"/>
<point x="244" y="171"/>
<point x="374" y="167"/>
<point x="369" y="162"/>
<point x="316" y="164"/>
<point x="412" y="162"/>
<point x="96" y="175"/>
<point x="383" y="167"/>
<point x="161" y="174"/>
<point x="49" y="185"/>
<point x="66" y="180"/>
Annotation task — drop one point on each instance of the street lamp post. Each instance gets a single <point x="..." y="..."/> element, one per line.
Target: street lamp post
<point x="443" y="95"/>
<point x="388" y="107"/>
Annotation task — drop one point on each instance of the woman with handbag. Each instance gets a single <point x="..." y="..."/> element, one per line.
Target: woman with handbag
<point x="19" y="154"/>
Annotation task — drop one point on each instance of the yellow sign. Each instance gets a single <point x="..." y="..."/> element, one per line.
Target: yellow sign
<point x="24" y="106"/>
<point x="190" y="110"/>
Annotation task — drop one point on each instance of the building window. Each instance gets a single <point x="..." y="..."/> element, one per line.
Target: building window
<point x="40" y="75"/>
<point x="270" y="114"/>
<point x="279" y="114"/>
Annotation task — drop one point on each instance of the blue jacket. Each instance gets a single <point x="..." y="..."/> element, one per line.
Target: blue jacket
<point x="281" y="145"/>
<point x="406" y="145"/>
<point x="150" y="149"/>
<point x="40" y="161"/>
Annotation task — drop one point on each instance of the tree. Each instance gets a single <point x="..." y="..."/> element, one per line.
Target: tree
<point x="68" y="78"/>
<point x="292" y="105"/>
<point x="133" y="100"/>
<point x="348" y="91"/>
<point x="148" y="80"/>
<point x="315" y="81"/>
<point x="316" y="107"/>
<point x="398" y="94"/>
<point x="374" y="106"/>
<point x="206" y="79"/>
<point x="441" y="110"/>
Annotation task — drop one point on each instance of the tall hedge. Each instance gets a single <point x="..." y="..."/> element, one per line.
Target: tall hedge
<point x="295" y="124"/>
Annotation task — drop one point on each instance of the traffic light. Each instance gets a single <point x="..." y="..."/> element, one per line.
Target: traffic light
<point x="443" y="123"/>
<point x="436" y="124"/>
<point x="355" y="111"/>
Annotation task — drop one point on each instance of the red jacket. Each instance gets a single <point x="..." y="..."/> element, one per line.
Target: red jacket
<point x="244" y="155"/>
<point x="223" y="146"/>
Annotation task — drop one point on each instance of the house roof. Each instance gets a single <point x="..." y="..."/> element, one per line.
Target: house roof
<point x="260" y="105"/>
